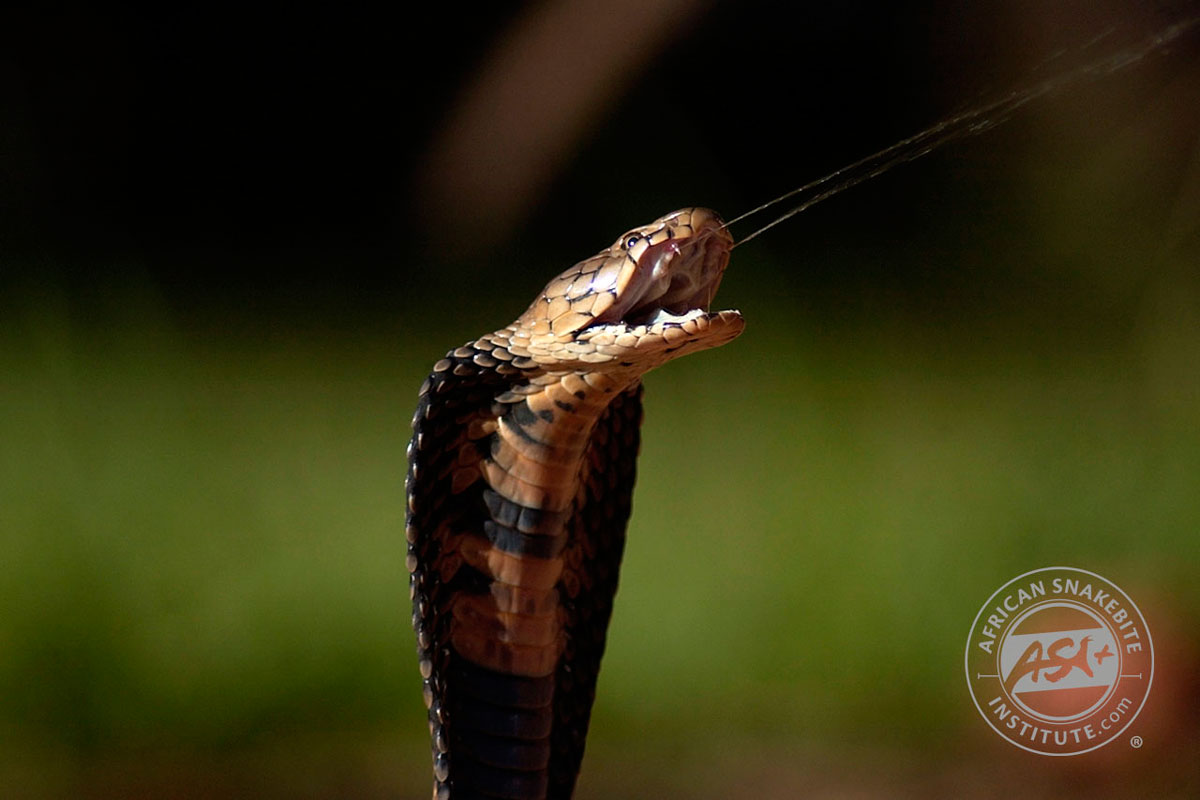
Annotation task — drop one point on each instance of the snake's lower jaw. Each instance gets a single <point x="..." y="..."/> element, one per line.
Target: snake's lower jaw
<point x="637" y="349"/>
<point x="679" y="335"/>
<point x="723" y="326"/>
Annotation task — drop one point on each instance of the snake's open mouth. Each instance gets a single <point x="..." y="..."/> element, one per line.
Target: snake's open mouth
<point x="655" y="282"/>
<point x="675" y="280"/>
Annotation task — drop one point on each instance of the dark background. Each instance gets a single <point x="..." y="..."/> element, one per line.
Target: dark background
<point x="232" y="243"/>
<point x="219" y="155"/>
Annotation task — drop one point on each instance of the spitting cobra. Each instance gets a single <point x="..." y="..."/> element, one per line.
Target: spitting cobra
<point x="520" y="482"/>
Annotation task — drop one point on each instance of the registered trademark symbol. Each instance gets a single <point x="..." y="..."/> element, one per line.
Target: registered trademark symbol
<point x="1135" y="742"/>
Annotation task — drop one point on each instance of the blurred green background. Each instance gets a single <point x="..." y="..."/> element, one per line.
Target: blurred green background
<point x="226" y="270"/>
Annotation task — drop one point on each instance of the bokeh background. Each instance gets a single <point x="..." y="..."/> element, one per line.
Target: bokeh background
<point x="232" y="242"/>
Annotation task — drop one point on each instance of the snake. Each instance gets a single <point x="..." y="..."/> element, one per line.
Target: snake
<point x="521" y="471"/>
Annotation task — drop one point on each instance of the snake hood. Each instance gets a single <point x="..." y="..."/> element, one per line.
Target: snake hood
<point x="640" y="302"/>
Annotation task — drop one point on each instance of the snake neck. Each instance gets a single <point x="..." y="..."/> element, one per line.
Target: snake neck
<point x="542" y="434"/>
<point x="533" y="474"/>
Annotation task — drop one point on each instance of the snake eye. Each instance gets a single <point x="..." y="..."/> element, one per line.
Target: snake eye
<point x="631" y="240"/>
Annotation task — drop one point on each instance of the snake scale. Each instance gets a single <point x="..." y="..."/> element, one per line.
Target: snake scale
<point x="520" y="481"/>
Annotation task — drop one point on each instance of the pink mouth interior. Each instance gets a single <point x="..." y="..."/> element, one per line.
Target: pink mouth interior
<point x="675" y="276"/>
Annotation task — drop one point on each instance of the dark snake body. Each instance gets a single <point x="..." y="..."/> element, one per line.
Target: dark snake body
<point x="520" y="481"/>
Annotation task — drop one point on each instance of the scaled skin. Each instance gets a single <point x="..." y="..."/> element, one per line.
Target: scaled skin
<point x="521" y="474"/>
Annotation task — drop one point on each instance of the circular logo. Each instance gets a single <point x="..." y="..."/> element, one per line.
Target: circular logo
<point x="1059" y="661"/>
